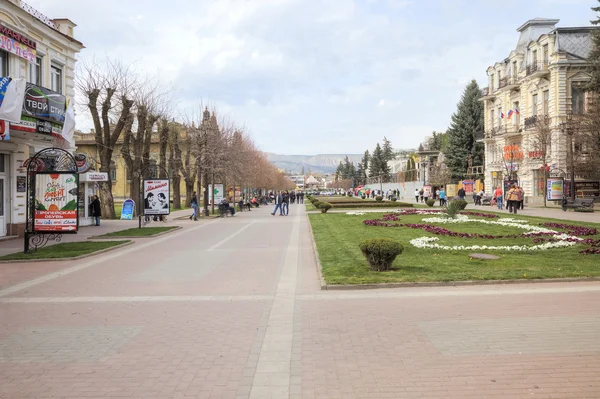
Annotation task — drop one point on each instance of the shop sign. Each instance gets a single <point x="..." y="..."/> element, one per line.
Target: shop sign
<point x="83" y="163"/>
<point x="512" y="152"/>
<point x="43" y="104"/>
<point x="4" y="130"/>
<point x="127" y="210"/>
<point x="156" y="197"/>
<point x="36" y="126"/>
<point x="96" y="176"/>
<point x="536" y="154"/>
<point x="584" y="188"/>
<point x="21" y="184"/>
<point x="554" y="188"/>
<point x="55" y="202"/>
<point x="17" y="44"/>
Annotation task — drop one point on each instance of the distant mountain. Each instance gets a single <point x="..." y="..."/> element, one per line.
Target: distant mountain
<point x="321" y="163"/>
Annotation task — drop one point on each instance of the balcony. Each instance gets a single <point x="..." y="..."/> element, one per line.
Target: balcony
<point x="531" y="122"/>
<point x="537" y="69"/>
<point x="487" y="94"/>
<point x="510" y="83"/>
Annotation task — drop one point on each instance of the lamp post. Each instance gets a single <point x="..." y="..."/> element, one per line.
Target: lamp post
<point x="568" y="128"/>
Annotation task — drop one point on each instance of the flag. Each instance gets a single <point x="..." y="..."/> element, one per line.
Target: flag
<point x="502" y="115"/>
<point x="510" y="112"/>
<point x="517" y="111"/>
<point x="69" y="125"/>
<point x="13" y="97"/>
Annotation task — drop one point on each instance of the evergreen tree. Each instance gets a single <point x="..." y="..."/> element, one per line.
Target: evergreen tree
<point x="378" y="166"/>
<point x="364" y="166"/>
<point x="594" y="57"/>
<point x="388" y="151"/>
<point x="467" y="120"/>
<point x="339" y="172"/>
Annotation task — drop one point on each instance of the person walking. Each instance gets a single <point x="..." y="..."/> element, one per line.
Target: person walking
<point x="194" y="204"/>
<point x="521" y="197"/>
<point x="426" y="195"/>
<point x="278" y="204"/>
<point x="421" y="192"/>
<point x="461" y="193"/>
<point x="442" y="196"/>
<point x="513" y="199"/>
<point x="479" y="197"/>
<point x="417" y="195"/>
<point x="285" y="206"/>
<point x="498" y="197"/>
<point x="95" y="209"/>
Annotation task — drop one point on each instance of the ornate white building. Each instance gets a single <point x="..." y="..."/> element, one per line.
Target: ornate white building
<point x="541" y="79"/>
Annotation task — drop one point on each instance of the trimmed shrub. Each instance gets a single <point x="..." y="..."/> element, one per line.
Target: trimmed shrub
<point x="380" y="252"/>
<point x="316" y="203"/>
<point x="325" y="206"/>
<point x="453" y="208"/>
<point x="364" y="196"/>
<point x="393" y="199"/>
<point x="462" y="203"/>
<point x="379" y="198"/>
<point x="372" y="204"/>
<point x="430" y="202"/>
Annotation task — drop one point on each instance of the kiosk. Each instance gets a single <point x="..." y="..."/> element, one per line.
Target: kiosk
<point x="88" y="186"/>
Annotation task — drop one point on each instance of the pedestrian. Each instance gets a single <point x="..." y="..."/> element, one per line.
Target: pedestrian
<point x="194" y="204"/>
<point x="95" y="209"/>
<point x="285" y="206"/>
<point x="417" y="195"/>
<point x="442" y="196"/>
<point x="421" y="192"/>
<point x="521" y="197"/>
<point x="479" y="197"/>
<point x="426" y="195"/>
<point x="513" y="199"/>
<point x="278" y="204"/>
<point x="498" y="197"/>
<point x="461" y="193"/>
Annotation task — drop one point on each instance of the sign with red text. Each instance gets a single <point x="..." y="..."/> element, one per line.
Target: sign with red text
<point x="17" y="44"/>
<point x="56" y="196"/>
<point x="157" y="197"/>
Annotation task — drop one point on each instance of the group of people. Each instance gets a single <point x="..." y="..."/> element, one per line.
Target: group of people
<point x="437" y="193"/>
<point x="282" y="202"/>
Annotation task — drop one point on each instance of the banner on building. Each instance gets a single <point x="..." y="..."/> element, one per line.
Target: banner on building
<point x="17" y="44"/>
<point x="157" y="197"/>
<point x="44" y="104"/>
<point x="56" y="196"/>
<point x="554" y="188"/>
<point x="217" y="191"/>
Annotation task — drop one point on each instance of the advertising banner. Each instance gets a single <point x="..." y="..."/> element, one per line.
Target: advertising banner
<point x="55" y="202"/>
<point x="156" y="197"/>
<point x="17" y="48"/>
<point x="555" y="188"/>
<point x="43" y="104"/>
<point x="127" y="211"/>
<point x="4" y="130"/>
<point x="218" y="192"/>
<point x="468" y="186"/>
<point x="583" y="189"/>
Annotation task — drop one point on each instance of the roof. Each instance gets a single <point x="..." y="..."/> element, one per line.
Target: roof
<point x="575" y="41"/>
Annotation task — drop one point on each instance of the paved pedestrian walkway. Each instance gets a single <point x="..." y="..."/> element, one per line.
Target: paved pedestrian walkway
<point x="231" y="308"/>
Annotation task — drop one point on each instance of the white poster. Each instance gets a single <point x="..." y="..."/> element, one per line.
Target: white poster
<point x="156" y="197"/>
<point x="218" y="192"/>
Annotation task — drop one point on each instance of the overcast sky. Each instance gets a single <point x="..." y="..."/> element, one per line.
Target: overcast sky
<point x="314" y="76"/>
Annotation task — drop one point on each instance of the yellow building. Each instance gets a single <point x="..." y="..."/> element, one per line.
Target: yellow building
<point x="86" y="144"/>
<point x="542" y="79"/>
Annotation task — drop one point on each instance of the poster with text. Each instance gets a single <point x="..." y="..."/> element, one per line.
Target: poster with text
<point x="127" y="210"/>
<point x="217" y="191"/>
<point x="156" y="197"/>
<point x="555" y="188"/>
<point x="56" y="196"/>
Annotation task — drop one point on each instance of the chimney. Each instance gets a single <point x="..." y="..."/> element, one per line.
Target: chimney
<point x="65" y="26"/>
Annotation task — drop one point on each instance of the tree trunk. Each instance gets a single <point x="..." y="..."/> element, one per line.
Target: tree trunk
<point x="189" y="190"/>
<point x="135" y="190"/>
<point x="106" y="196"/>
<point x="176" y="191"/>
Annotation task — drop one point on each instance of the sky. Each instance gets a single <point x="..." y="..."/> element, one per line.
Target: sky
<point x="313" y="76"/>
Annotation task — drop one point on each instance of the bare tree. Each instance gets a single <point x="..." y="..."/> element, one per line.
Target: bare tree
<point x="107" y="88"/>
<point x="541" y="142"/>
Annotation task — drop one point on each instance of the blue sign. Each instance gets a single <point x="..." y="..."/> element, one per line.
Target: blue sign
<point x="127" y="211"/>
<point x="4" y="82"/>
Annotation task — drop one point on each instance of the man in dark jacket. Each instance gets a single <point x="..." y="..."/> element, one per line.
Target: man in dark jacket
<point x="461" y="193"/>
<point x="95" y="209"/>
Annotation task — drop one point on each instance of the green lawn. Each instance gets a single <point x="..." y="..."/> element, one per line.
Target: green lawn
<point x="64" y="250"/>
<point x="338" y="236"/>
<point x="137" y="232"/>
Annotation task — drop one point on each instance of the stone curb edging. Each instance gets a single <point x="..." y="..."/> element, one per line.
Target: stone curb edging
<point x="175" y="228"/>
<point x="101" y="251"/>
<point x="350" y="287"/>
<point x="316" y="253"/>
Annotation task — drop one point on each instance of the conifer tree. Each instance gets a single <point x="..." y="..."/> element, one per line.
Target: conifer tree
<point x="594" y="57"/>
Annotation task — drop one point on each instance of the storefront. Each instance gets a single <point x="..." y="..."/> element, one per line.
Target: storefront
<point x="88" y="187"/>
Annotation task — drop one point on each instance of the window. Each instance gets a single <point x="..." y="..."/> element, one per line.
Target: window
<point x="545" y="53"/>
<point x="577" y="100"/>
<point x="2" y="163"/>
<point x="515" y="71"/>
<point x="35" y="72"/>
<point x="534" y="105"/>
<point x="534" y="57"/>
<point x="113" y="171"/>
<point x="3" y="63"/>
<point x="546" y="102"/>
<point x="491" y="118"/>
<point x="516" y="118"/>
<point x="56" y="78"/>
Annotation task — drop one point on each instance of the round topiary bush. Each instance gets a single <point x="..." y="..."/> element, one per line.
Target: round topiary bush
<point x="316" y="203"/>
<point x="393" y="199"/>
<point x="379" y="198"/>
<point x="325" y="206"/>
<point x="380" y="252"/>
<point x="461" y="203"/>
<point x="430" y="202"/>
<point x="364" y="196"/>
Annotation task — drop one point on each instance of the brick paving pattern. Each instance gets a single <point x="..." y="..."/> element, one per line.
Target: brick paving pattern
<point x="232" y="309"/>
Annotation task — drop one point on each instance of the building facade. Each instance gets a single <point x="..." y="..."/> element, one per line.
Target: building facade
<point x="539" y="84"/>
<point x="42" y="51"/>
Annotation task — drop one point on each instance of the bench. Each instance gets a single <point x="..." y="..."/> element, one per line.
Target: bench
<point x="487" y="200"/>
<point x="578" y="204"/>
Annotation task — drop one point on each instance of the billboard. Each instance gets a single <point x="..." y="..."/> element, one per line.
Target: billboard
<point x="56" y="196"/>
<point x="217" y="191"/>
<point x="554" y="188"/>
<point x="156" y="197"/>
<point x="44" y="105"/>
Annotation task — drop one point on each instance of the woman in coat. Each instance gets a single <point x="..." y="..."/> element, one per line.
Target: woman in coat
<point x="95" y="209"/>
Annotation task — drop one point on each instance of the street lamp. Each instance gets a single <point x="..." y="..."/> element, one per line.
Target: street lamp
<point x="569" y="129"/>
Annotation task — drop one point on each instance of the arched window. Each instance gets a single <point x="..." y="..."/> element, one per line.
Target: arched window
<point x="113" y="171"/>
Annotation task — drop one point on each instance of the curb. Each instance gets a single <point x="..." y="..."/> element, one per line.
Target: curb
<point x="316" y="253"/>
<point x="350" y="287"/>
<point x="175" y="228"/>
<point x="69" y="259"/>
